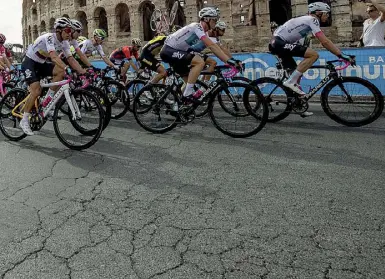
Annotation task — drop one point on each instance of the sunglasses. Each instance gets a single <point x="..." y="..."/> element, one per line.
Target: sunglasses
<point x="68" y="30"/>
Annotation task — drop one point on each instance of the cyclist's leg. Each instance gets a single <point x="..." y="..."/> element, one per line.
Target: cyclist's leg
<point x="124" y="66"/>
<point x="211" y="63"/>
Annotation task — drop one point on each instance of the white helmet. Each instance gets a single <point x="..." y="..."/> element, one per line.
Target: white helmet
<point x="77" y="25"/>
<point x="319" y="7"/>
<point x="208" y="12"/>
<point x="62" y="22"/>
<point x="8" y="46"/>
<point x="221" y="25"/>
<point x="136" y="42"/>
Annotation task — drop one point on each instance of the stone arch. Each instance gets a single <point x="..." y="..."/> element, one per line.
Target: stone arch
<point x="100" y="17"/>
<point x="35" y="32"/>
<point x="80" y="3"/>
<point x="66" y="15"/>
<point x="29" y="35"/>
<point x="82" y="17"/>
<point x="51" y="24"/>
<point x="145" y="9"/>
<point x="280" y="11"/>
<point x="123" y="18"/>
<point x="34" y="13"/>
<point x="180" y="16"/>
<point x="43" y="27"/>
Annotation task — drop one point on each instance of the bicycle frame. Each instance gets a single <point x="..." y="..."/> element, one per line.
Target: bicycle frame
<point x="64" y="90"/>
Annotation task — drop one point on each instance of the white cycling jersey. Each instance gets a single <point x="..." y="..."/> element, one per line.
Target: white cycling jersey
<point x="186" y="37"/>
<point x="298" y="28"/>
<point x="88" y="48"/>
<point x="39" y="51"/>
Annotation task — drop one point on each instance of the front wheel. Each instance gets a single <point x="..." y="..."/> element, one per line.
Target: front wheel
<point x="82" y="130"/>
<point x="352" y="101"/>
<point x="250" y="118"/>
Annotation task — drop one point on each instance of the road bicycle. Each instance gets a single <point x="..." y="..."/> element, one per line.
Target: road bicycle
<point x="161" y="22"/>
<point x="159" y="115"/>
<point x="363" y="101"/>
<point x="78" y="105"/>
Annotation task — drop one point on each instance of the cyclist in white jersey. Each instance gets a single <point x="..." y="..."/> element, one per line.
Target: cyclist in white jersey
<point x="176" y="50"/>
<point x="36" y="64"/>
<point x="285" y="43"/>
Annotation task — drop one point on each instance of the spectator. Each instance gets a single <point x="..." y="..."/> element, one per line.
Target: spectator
<point x="374" y="26"/>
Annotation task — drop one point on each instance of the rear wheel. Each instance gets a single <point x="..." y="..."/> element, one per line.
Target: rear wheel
<point x="9" y="124"/>
<point x="119" y="99"/>
<point x="104" y="102"/>
<point x="132" y="89"/>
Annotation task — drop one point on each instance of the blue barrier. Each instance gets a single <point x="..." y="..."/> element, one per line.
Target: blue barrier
<point x="370" y="66"/>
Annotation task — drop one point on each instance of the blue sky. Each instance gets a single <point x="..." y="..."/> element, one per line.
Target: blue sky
<point x="10" y="20"/>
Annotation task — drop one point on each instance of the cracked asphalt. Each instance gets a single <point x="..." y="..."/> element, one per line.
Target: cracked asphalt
<point x="302" y="199"/>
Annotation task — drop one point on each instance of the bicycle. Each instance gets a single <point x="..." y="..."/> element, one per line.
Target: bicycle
<point x="181" y="113"/>
<point x="334" y="94"/>
<point x="160" y="22"/>
<point x="76" y="103"/>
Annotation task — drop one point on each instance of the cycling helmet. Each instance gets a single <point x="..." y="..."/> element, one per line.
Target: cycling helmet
<point x="100" y="33"/>
<point x="136" y="42"/>
<point x="81" y="39"/>
<point x="62" y="22"/>
<point x="175" y="28"/>
<point x="221" y="25"/>
<point x="8" y="46"/>
<point x="77" y="25"/>
<point x="208" y="12"/>
<point x="2" y="39"/>
<point x="319" y="7"/>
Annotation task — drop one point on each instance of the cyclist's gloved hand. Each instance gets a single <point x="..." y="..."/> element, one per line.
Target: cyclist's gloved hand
<point x="235" y="63"/>
<point x="351" y="59"/>
<point x="116" y="67"/>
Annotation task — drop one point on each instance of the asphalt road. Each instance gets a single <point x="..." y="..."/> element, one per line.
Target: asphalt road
<point x="304" y="198"/>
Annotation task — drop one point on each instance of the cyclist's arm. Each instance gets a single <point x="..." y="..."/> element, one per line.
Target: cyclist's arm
<point x="83" y="57"/>
<point x="75" y="65"/>
<point x="326" y="43"/>
<point x="56" y="60"/>
<point x="133" y="65"/>
<point x="225" y="50"/>
<point x="216" y="49"/>
<point x="108" y="61"/>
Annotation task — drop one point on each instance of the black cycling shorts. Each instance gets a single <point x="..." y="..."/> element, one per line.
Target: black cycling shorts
<point x="35" y="71"/>
<point x="286" y="52"/>
<point x="149" y="61"/>
<point x="179" y="60"/>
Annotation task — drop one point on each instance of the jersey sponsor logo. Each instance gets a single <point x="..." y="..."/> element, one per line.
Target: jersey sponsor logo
<point x="289" y="46"/>
<point x="50" y="40"/>
<point x="28" y="73"/>
<point x="315" y="21"/>
<point x="177" y="55"/>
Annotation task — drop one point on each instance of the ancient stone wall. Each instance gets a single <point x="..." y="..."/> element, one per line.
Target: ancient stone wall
<point x="248" y="20"/>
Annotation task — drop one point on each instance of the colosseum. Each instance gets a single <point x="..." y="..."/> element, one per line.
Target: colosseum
<point x="248" y="20"/>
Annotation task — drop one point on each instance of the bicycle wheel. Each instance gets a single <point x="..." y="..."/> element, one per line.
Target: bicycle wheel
<point x="155" y="21"/>
<point x="276" y="96"/>
<point x="251" y="118"/>
<point x="363" y="101"/>
<point x="118" y="97"/>
<point x="151" y="110"/>
<point x="104" y="102"/>
<point x="132" y="88"/>
<point x="173" y="12"/>
<point x="9" y="124"/>
<point x="86" y="128"/>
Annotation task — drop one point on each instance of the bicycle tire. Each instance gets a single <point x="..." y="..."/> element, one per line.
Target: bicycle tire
<point x="287" y="108"/>
<point x="137" y="112"/>
<point x="104" y="102"/>
<point x="128" y="86"/>
<point x="377" y="96"/>
<point x="154" y="18"/>
<point x="95" y="133"/>
<point x="173" y="12"/>
<point x="261" y="118"/>
<point x="20" y="96"/>
<point x="121" y="95"/>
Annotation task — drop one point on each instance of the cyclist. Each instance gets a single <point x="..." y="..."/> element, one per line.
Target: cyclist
<point x="4" y="62"/>
<point x="76" y="51"/>
<point x="8" y="52"/>
<point x="91" y="47"/>
<point x="36" y="66"/>
<point x="176" y="50"/>
<point x="285" y="43"/>
<point x="214" y="35"/>
<point x="150" y="50"/>
<point x="122" y="57"/>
